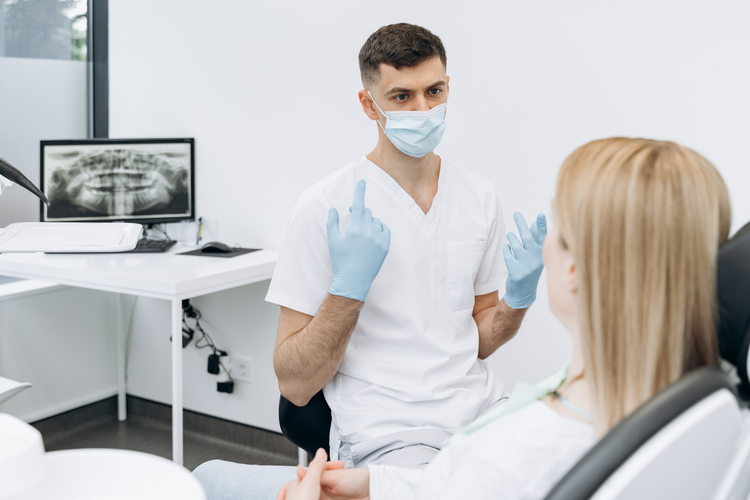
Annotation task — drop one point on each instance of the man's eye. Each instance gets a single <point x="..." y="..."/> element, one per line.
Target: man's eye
<point x="434" y="91"/>
<point x="401" y="97"/>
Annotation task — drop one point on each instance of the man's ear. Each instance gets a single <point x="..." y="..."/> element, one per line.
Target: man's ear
<point x="367" y="105"/>
<point x="447" y="84"/>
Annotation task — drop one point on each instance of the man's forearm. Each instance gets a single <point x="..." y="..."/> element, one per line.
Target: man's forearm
<point x="307" y="360"/>
<point x="497" y="327"/>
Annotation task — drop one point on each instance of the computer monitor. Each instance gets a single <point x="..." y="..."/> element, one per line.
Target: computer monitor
<point x="147" y="181"/>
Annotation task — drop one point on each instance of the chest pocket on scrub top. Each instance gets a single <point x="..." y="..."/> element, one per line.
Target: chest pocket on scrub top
<point x="463" y="262"/>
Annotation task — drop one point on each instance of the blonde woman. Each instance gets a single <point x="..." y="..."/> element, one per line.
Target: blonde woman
<point x="631" y="275"/>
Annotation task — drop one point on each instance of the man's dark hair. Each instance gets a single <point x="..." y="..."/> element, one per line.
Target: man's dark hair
<point x="398" y="45"/>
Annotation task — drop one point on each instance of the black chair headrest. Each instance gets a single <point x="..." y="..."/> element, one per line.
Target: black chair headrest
<point x="622" y="441"/>
<point x="734" y="302"/>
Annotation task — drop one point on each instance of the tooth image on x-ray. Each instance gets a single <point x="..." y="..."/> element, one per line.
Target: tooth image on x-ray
<point x="118" y="183"/>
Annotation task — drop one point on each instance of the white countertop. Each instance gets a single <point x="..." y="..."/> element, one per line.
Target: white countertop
<point x="159" y="275"/>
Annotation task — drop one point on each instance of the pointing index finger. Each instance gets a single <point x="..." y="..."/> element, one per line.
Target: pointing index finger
<point x="358" y="205"/>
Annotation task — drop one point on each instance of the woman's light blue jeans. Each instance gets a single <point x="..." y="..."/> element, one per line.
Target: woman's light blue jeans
<point x="232" y="481"/>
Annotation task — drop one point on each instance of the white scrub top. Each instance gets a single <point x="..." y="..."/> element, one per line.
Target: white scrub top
<point x="411" y="363"/>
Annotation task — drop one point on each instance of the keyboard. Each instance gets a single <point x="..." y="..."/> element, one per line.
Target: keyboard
<point x="153" y="246"/>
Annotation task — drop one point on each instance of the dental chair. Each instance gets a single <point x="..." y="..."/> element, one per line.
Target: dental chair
<point x="692" y="440"/>
<point x="9" y="388"/>
<point x="28" y="473"/>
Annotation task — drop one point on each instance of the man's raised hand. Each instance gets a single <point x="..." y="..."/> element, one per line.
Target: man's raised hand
<point x="358" y="254"/>
<point x="524" y="261"/>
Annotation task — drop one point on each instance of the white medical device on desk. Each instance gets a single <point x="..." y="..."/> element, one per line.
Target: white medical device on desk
<point x="69" y="237"/>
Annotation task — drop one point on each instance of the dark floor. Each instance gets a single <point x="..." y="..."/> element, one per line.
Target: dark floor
<point x="149" y="429"/>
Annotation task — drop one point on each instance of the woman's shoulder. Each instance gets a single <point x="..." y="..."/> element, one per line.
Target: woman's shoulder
<point x="535" y="419"/>
<point x="523" y="453"/>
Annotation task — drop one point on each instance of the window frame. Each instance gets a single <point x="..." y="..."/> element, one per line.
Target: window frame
<point x="98" y="68"/>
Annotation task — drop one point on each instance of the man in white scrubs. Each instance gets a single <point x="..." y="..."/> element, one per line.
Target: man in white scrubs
<point x="393" y="315"/>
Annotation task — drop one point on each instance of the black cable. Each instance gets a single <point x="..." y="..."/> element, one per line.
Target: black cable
<point x="191" y="312"/>
<point x="226" y="371"/>
<point x="209" y="342"/>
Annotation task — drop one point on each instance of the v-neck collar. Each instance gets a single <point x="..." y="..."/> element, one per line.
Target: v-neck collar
<point x="425" y="221"/>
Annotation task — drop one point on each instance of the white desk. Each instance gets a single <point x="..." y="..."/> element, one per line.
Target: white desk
<point x="163" y="276"/>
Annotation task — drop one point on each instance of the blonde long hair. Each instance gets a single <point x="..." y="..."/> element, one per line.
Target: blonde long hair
<point x="644" y="220"/>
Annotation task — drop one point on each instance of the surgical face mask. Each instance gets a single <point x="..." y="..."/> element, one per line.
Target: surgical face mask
<point x="414" y="133"/>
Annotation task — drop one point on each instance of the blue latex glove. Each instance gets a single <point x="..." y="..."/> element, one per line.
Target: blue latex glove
<point x="524" y="262"/>
<point x="358" y="254"/>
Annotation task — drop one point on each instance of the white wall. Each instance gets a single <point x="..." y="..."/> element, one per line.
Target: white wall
<point x="268" y="89"/>
<point x="68" y="352"/>
<point x="240" y="322"/>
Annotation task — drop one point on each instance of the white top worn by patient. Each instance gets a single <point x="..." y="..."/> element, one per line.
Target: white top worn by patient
<point x="520" y="456"/>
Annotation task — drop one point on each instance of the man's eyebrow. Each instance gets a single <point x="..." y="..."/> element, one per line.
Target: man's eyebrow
<point x="398" y="90"/>
<point x="404" y="90"/>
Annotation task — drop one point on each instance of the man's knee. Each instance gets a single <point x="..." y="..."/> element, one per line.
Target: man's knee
<point x="224" y="480"/>
<point x="211" y="473"/>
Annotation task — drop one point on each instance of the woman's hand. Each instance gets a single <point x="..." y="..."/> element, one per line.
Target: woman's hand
<point x="327" y="481"/>
<point x="346" y="484"/>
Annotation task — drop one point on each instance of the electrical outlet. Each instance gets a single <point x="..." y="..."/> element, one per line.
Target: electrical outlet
<point x="242" y="369"/>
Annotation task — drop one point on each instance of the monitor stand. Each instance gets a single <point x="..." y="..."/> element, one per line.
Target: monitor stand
<point x="149" y="245"/>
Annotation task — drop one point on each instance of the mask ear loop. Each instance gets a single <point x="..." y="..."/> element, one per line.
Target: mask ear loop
<point x="381" y="111"/>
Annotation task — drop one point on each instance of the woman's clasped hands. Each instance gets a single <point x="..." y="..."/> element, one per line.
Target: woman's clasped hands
<point x="324" y="480"/>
